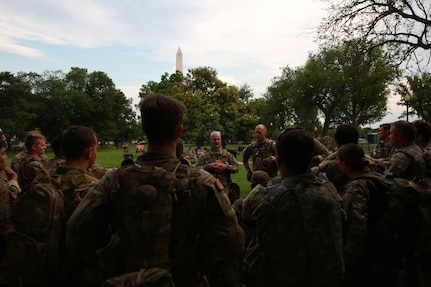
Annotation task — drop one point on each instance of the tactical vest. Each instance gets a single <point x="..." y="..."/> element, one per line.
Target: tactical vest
<point x="260" y="153"/>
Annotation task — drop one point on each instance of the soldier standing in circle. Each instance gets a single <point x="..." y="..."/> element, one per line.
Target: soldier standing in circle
<point x="297" y="223"/>
<point x="201" y="215"/>
<point x="262" y="152"/>
<point x="217" y="161"/>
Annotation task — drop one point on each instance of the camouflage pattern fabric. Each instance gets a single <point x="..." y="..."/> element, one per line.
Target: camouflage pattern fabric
<point x="202" y="214"/>
<point x="382" y="150"/>
<point x="225" y="157"/>
<point x="5" y="207"/>
<point x="13" y="186"/>
<point x="298" y="223"/>
<point x="260" y="154"/>
<point x="408" y="162"/>
<point x="74" y="183"/>
<point x="28" y="169"/>
<point x="33" y="243"/>
<point x="16" y="161"/>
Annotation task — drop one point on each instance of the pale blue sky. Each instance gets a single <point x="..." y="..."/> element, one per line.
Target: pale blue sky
<point x="135" y="41"/>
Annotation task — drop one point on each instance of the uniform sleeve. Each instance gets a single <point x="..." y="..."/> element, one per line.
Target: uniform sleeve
<point x="255" y="206"/>
<point x="225" y="235"/>
<point x="399" y="164"/>
<point x="233" y="163"/>
<point x="355" y="204"/>
<point x="246" y="156"/>
<point x="88" y="225"/>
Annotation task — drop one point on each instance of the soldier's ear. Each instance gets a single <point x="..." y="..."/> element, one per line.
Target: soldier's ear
<point x="179" y="131"/>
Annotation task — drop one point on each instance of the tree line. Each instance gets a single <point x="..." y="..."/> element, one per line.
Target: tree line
<point x="349" y="83"/>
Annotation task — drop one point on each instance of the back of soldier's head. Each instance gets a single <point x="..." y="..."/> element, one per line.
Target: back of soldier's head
<point x="56" y="146"/>
<point x="406" y="129"/>
<point x="76" y="139"/>
<point x="295" y="149"/>
<point x="345" y="134"/>
<point x="423" y="128"/>
<point x="353" y="155"/>
<point x="161" y="115"/>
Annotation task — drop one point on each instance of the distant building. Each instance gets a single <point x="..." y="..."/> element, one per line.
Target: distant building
<point x="179" y="61"/>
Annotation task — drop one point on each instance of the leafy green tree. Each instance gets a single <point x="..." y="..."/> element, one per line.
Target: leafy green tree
<point x="211" y="104"/>
<point x="419" y="89"/>
<point x="16" y="108"/>
<point x="346" y="84"/>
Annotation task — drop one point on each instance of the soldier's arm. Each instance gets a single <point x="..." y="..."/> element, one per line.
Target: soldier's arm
<point x="233" y="166"/>
<point x="398" y="164"/>
<point x="245" y="158"/>
<point x="89" y="224"/>
<point x="225" y="235"/>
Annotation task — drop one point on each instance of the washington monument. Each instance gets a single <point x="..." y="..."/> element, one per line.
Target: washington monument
<point x="179" y="62"/>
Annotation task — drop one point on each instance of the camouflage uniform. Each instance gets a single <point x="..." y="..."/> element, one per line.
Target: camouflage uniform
<point x="14" y="188"/>
<point x="225" y="157"/>
<point x="205" y="222"/>
<point x="299" y="249"/>
<point x="369" y="260"/>
<point x="261" y="153"/>
<point x="382" y="150"/>
<point x="18" y="158"/>
<point x="333" y="173"/>
<point x="5" y="207"/>
<point x="28" y="169"/>
<point x="408" y="162"/>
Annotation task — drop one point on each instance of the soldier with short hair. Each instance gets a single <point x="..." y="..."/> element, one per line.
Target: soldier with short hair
<point x="218" y="161"/>
<point x="297" y="223"/>
<point x="35" y="144"/>
<point x="202" y="218"/>
<point x="408" y="160"/>
<point x="262" y="153"/>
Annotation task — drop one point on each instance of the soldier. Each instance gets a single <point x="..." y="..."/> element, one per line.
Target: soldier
<point x="408" y="160"/>
<point x="344" y="134"/>
<point x="262" y="152"/>
<point x="8" y="176"/>
<point x="201" y="214"/>
<point x="35" y="144"/>
<point x="368" y="260"/>
<point x="5" y="211"/>
<point x="423" y="139"/>
<point x="18" y="158"/>
<point x="384" y="149"/>
<point x="217" y="161"/>
<point x="298" y="239"/>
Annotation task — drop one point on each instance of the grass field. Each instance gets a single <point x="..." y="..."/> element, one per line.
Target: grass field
<point x="110" y="157"/>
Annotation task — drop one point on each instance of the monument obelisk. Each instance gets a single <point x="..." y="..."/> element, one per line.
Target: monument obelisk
<point x="179" y="61"/>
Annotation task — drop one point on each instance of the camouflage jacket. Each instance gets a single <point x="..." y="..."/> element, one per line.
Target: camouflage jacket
<point x="18" y="158"/>
<point x="355" y="205"/>
<point x="205" y="219"/>
<point x="300" y="250"/>
<point x="260" y="154"/>
<point x="382" y="150"/>
<point x="225" y="157"/>
<point x="13" y="186"/>
<point x="28" y="169"/>
<point x="5" y="209"/>
<point x="408" y="162"/>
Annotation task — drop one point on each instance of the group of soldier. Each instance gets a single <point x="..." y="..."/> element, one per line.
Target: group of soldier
<point x="305" y="221"/>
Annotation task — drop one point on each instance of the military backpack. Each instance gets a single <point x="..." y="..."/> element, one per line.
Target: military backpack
<point x="404" y="221"/>
<point x="143" y="220"/>
<point x="33" y="242"/>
